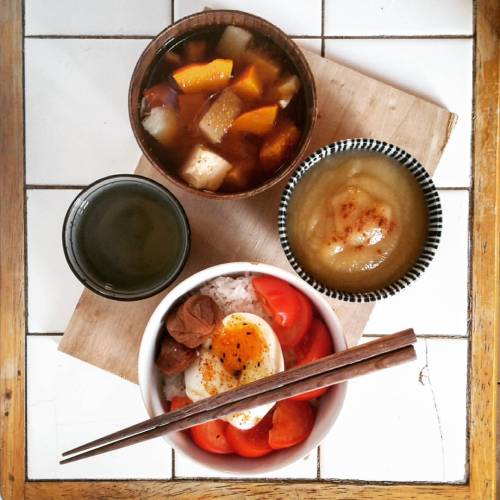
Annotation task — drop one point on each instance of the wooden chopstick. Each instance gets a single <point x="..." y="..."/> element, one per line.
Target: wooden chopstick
<point x="326" y="371"/>
<point x="332" y="377"/>
<point x="364" y="351"/>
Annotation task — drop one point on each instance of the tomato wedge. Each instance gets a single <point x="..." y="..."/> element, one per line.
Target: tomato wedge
<point x="292" y="423"/>
<point x="290" y="309"/>
<point x="317" y="344"/>
<point x="179" y="402"/>
<point x="253" y="442"/>
<point x="160" y="95"/>
<point x="211" y="437"/>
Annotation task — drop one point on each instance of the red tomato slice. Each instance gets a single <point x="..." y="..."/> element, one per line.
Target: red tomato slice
<point x="160" y="95"/>
<point x="292" y="423"/>
<point x="290" y="309"/>
<point x="179" y="402"/>
<point x="253" y="442"/>
<point x="317" y="344"/>
<point x="211" y="437"/>
<point x="292" y="335"/>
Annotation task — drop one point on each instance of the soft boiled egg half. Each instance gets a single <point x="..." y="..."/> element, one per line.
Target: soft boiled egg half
<point x="245" y="349"/>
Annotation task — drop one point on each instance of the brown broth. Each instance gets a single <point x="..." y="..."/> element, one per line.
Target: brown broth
<point x="240" y="150"/>
<point x="357" y="221"/>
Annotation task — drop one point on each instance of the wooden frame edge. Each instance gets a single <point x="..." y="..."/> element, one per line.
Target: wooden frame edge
<point x="485" y="307"/>
<point x="12" y="301"/>
<point x="486" y="254"/>
<point x="238" y="490"/>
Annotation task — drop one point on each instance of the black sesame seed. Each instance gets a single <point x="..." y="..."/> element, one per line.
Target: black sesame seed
<point x="244" y="367"/>
<point x="238" y="345"/>
<point x="210" y="347"/>
<point x="258" y="364"/>
<point x="239" y="359"/>
<point x="249" y="333"/>
<point x="222" y="360"/>
<point x="223" y="354"/>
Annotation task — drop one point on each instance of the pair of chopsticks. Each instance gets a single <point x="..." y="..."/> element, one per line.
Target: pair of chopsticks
<point x="384" y="352"/>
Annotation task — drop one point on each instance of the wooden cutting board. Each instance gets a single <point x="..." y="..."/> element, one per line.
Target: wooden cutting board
<point x="107" y="333"/>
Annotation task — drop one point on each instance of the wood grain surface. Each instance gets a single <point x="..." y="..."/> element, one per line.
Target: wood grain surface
<point x="107" y="333"/>
<point x="486" y="254"/>
<point x="12" y="327"/>
<point x="241" y="490"/>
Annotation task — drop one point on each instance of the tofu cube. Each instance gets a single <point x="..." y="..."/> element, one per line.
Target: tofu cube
<point x="220" y="116"/>
<point x="233" y="42"/>
<point x="162" y="124"/>
<point x="205" y="169"/>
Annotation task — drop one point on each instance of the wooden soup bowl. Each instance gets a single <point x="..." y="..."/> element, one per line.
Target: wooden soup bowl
<point x="200" y="21"/>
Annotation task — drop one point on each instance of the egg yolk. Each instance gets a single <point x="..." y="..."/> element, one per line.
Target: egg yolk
<point x="237" y="345"/>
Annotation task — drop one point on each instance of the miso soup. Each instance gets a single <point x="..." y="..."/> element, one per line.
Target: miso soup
<point x="223" y="109"/>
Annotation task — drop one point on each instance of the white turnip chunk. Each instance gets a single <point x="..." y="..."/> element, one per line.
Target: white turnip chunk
<point x="205" y="169"/>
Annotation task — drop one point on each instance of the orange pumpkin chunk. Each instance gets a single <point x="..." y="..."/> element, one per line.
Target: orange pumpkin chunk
<point x="248" y="85"/>
<point x="190" y="105"/>
<point x="258" y="121"/>
<point x="209" y="77"/>
<point x="279" y="145"/>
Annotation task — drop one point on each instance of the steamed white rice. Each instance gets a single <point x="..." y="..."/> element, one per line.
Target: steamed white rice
<point x="234" y="295"/>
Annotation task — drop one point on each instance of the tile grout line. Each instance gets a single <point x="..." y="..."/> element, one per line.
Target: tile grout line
<point x="55" y="186"/>
<point x="366" y="335"/>
<point x="172" y="456"/>
<point x="470" y="243"/>
<point x="44" y="334"/>
<point x="398" y="37"/>
<point x="25" y="216"/>
<point x="250" y="480"/>
<point x="324" y="37"/>
<point x="429" y="336"/>
<point x="62" y="187"/>
<point x="318" y="462"/>
<point x="322" y="28"/>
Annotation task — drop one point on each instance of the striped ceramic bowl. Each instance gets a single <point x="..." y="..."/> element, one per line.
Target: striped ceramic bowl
<point x="433" y="207"/>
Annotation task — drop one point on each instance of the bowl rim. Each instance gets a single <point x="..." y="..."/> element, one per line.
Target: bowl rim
<point x="114" y="295"/>
<point x="150" y="336"/>
<point x="137" y="78"/>
<point x="431" y="195"/>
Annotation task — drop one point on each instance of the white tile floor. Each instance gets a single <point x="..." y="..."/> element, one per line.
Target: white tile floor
<point x="401" y="17"/>
<point x="77" y="130"/>
<point x="295" y="17"/>
<point x="410" y="421"/>
<point x="96" y="17"/>
<point x="70" y="402"/>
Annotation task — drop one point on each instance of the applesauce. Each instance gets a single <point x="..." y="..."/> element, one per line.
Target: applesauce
<point x="357" y="221"/>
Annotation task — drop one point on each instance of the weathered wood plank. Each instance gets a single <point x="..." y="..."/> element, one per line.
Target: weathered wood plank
<point x="225" y="490"/>
<point x="486" y="254"/>
<point x="12" y="327"/>
<point x="107" y="333"/>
